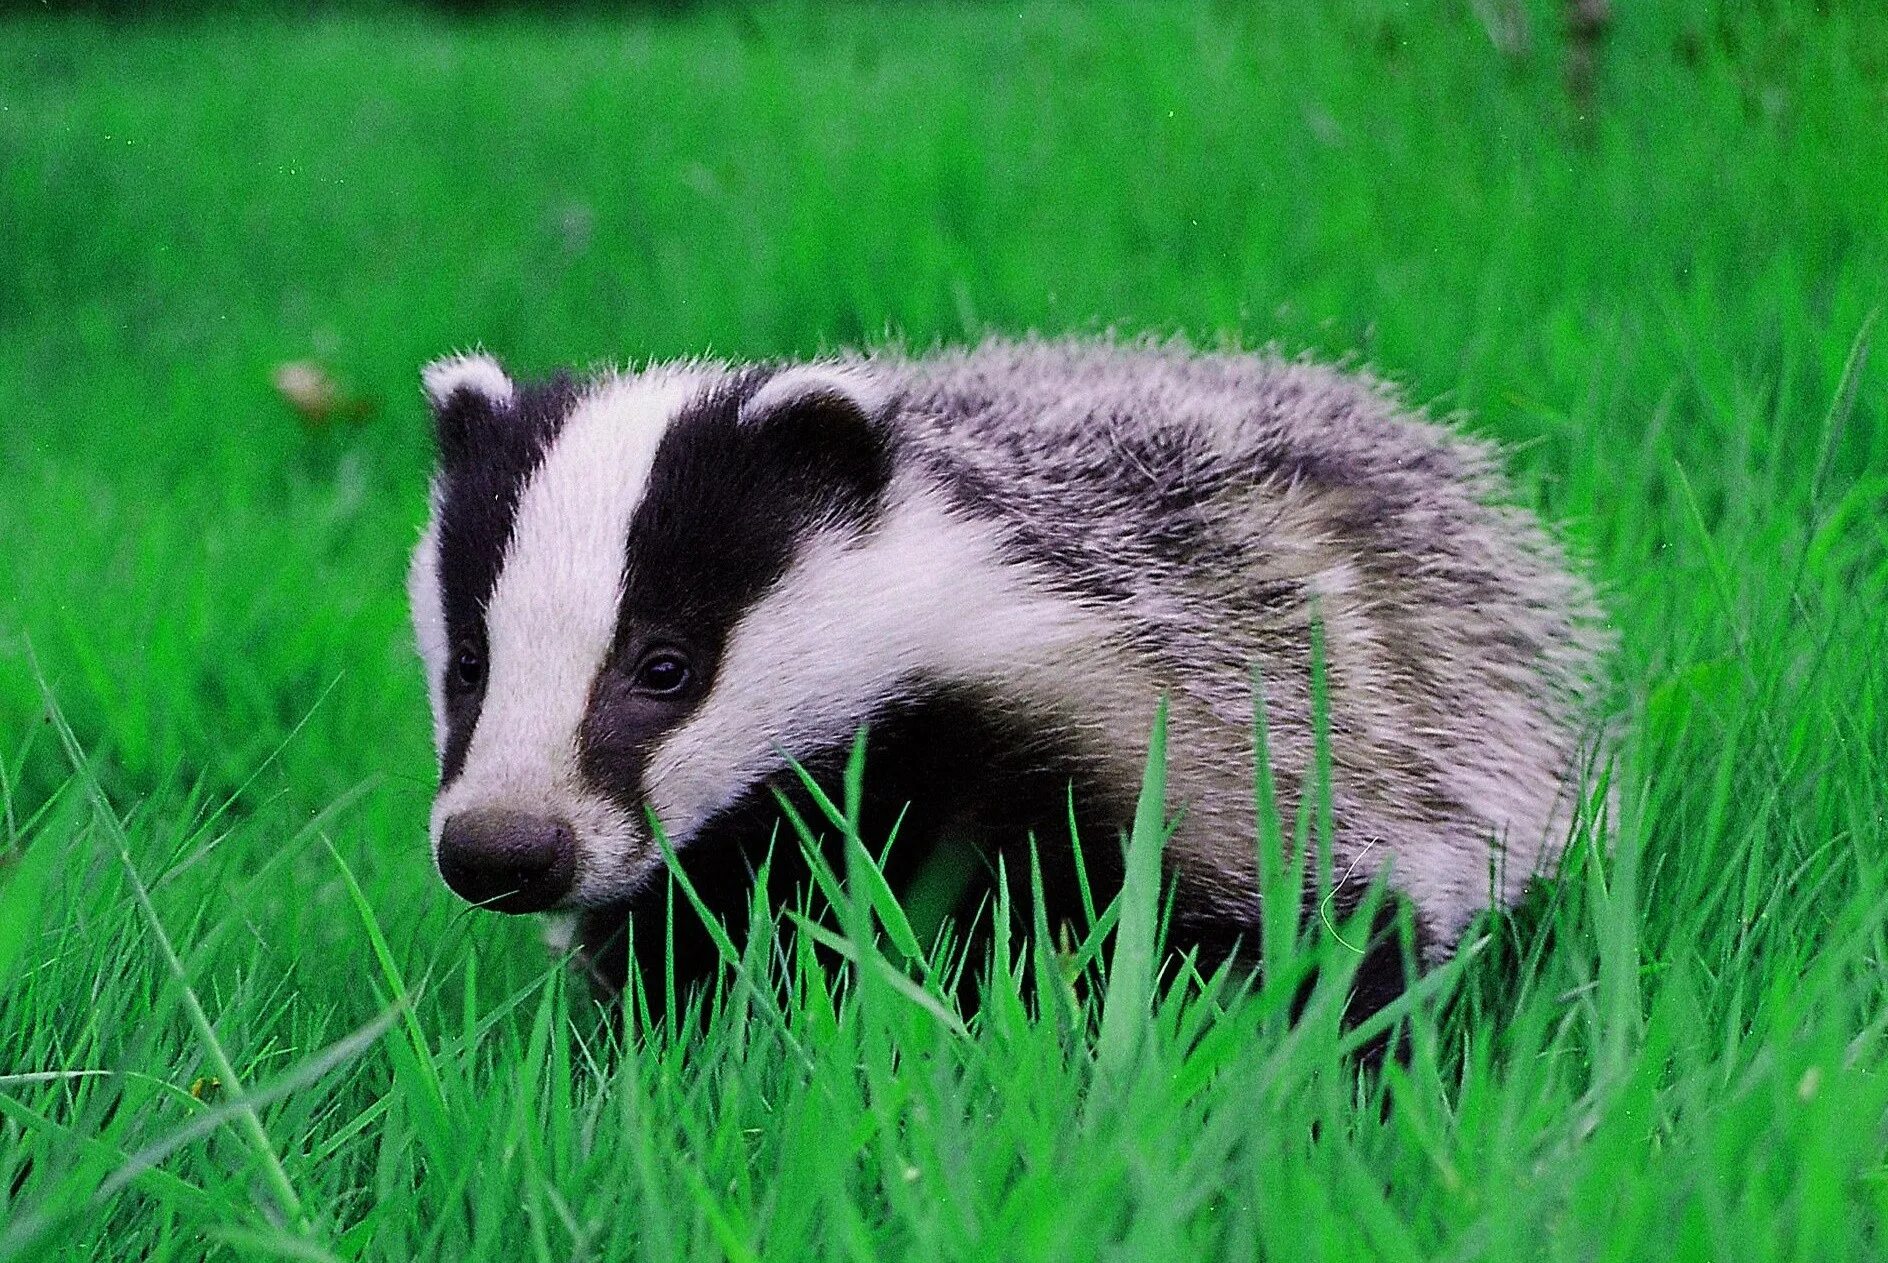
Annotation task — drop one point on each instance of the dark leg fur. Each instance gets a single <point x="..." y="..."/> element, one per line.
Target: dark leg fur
<point x="928" y="773"/>
<point x="931" y="764"/>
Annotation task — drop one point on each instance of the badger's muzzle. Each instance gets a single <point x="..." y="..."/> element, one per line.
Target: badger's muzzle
<point x="508" y="861"/>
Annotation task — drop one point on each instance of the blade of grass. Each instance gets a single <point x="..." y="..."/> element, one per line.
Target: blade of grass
<point x="1131" y="967"/>
<point x="422" y="1059"/>
<point x="724" y="944"/>
<point x="248" y="1118"/>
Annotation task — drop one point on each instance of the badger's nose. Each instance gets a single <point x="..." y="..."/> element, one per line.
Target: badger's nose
<point x="508" y="860"/>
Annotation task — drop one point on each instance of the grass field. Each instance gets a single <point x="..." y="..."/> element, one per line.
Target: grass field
<point x="241" y="1018"/>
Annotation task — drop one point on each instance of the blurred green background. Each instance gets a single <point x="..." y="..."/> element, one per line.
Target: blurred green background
<point x="1643" y="252"/>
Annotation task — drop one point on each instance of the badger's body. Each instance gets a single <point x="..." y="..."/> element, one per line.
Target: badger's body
<point x="648" y="592"/>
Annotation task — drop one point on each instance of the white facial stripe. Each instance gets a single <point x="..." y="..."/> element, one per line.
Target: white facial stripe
<point x="552" y="616"/>
<point x="855" y="624"/>
<point x="429" y="622"/>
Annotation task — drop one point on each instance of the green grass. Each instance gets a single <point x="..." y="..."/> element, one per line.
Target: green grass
<point x="212" y="871"/>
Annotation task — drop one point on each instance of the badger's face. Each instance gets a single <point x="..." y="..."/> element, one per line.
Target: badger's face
<point x="597" y="598"/>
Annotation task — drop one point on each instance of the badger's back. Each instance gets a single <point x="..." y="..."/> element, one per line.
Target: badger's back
<point x="1213" y="507"/>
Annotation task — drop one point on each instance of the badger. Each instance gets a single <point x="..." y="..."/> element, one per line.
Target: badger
<point x="645" y="598"/>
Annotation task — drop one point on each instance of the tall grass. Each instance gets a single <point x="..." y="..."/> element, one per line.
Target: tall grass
<point x="240" y="1018"/>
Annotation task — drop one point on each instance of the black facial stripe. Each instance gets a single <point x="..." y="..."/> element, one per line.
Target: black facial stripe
<point x="728" y="503"/>
<point x="487" y="454"/>
<point x="697" y="550"/>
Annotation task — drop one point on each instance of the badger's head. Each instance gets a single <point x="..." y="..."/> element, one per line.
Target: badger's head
<point x="599" y="598"/>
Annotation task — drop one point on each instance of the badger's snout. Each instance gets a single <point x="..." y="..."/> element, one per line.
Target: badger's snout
<point x="509" y="861"/>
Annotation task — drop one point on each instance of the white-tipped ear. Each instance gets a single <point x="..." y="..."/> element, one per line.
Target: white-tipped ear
<point x="854" y="387"/>
<point x="473" y="371"/>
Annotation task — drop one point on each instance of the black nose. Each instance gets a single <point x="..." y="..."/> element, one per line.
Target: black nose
<point x="508" y="860"/>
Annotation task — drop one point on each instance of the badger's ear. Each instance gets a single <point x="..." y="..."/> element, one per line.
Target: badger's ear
<point x="469" y="394"/>
<point x="832" y="415"/>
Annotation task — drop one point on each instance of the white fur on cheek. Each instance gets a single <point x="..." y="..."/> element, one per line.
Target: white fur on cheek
<point x="429" y="623"/>
<point x="551" y="620"/>
<point x="853" y="626"/>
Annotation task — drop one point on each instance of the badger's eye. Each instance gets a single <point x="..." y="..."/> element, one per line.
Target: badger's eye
<point x="663" y="672"/>
<point x="467" y="672"/>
